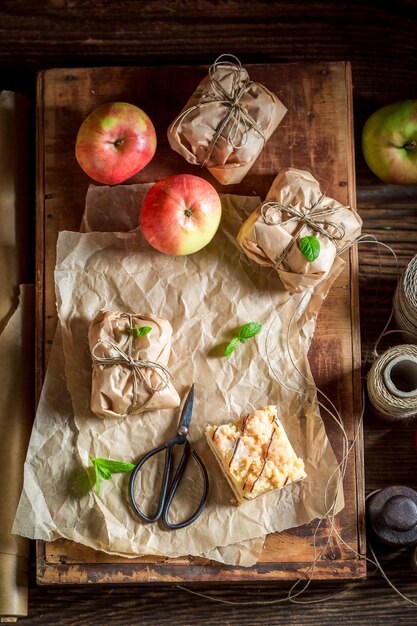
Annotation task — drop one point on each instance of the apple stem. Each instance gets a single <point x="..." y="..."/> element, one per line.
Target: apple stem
<point x="118" y="142"/>
<point x="411" y="145"/>
<point x="188" y="213"/>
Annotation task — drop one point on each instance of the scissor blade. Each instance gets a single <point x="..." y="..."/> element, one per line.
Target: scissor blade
<point x="187" y="410"/>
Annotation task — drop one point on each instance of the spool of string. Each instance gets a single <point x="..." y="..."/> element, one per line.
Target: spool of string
<point x="392" y="383"/>
<point x="405" y="302"/>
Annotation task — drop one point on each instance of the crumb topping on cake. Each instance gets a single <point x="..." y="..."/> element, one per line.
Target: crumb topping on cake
<point x="256" y="453"/>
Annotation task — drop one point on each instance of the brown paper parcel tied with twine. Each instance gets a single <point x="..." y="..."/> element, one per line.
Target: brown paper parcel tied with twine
<point x="226" y="122"/>
<point x="129" y="373"/>
<point x="294" y="208"/>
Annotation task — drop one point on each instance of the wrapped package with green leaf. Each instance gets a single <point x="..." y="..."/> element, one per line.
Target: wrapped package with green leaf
<point x="298" y="230"/>
<point x="130" y="355"/>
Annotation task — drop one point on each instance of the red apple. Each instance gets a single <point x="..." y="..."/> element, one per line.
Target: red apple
<point x="115" y="142"/>
<point x="389" y="142"/>
<point x="180" y="214"/>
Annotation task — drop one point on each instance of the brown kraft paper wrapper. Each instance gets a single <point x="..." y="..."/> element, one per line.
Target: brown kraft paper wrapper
<point x="225" y="283"/>
<point x="16" y="347"/>
<point x="119" y="387"/>
<point x="226" y="122"/>
<point x="270" y="235"/>
<point x="16" y="416"/>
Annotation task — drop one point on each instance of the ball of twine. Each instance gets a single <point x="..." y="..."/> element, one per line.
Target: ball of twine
<point x="388" y="401"/>
<point x="405" y="302"/>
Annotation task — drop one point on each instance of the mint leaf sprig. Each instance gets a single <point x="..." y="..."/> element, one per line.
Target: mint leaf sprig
<point x="245" y="332"/>
<point x="104" y="468"/>
<point x="310" y="247"/>
<point x="139" y="331"/>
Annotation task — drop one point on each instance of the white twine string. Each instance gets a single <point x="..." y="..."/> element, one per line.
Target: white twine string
<point x="241" y="120"/>
<point x="329" y="516"/>
<point x="371" y="239"/>
<point x="386" y="403"/>
<point x="136" y="367"/>
<point x="306" y="216"/>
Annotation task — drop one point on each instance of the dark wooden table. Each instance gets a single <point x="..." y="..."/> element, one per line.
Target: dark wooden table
<point x="380" y="41"/>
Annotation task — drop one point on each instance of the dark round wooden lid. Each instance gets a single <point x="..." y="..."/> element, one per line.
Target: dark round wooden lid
<point x="393" y="515"/>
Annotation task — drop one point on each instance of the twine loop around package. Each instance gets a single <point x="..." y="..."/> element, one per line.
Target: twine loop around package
<point x="312" y="217"/>
<point x="136" y="365"/>
<point x="388" y="399"/>
<point x="405" y="302"/>
<point x="231" y="100"/>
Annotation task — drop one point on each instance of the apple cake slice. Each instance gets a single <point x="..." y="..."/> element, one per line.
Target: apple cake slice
<point x="255" y="454"/>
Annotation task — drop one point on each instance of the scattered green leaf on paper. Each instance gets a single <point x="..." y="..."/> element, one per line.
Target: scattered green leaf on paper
<point x="116" y="466"/>
<point x="231" y="346"/>
<point x="104" y="473"/>
<point x="139" y="331"/>
<point x="249" y="330"/>
<point x="310" y="247"/>
<point x="245" y="332"/>
<point x="104" y="468"/>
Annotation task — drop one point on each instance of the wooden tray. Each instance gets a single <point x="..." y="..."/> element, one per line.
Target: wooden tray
<point x="316" y="134"/>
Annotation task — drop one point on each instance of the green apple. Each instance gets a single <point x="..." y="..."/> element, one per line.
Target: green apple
<point x="389" y="142"/>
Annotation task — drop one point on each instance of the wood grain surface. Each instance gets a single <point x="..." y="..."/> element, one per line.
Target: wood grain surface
<point x="317" y="135"/>
<point x="379" y="40"/>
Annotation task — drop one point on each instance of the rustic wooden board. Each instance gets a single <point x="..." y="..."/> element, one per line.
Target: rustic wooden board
<point x="316" y="134"/>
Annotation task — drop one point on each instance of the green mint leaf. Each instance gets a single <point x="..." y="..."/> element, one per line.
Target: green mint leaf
<point x="383" y="227"/>
<point x="249" y="330"/>
<point x="139" y="331"/>
<point x="114" y="466"/>
<point x="310" y="247"/>
<point x="105" y="467"/>
<point x="97" y="473"/>
<point x="231" y="346"/>
<point x="104" y="473"/>
<point x="144" y="330"/>
<point x="97" y="477"/>
<point x="245" y="332"/>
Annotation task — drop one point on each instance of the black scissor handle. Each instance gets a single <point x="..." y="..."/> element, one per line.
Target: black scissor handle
<point x="164" y="486"/>
<point x="167" y="495"/>
<point x="171" y="493"/>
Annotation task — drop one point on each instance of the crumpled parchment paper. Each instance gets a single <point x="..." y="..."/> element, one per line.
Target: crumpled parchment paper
<point x="219" y="126"/>
<point x="268" y="232"/>
<point x="206" y="296"/>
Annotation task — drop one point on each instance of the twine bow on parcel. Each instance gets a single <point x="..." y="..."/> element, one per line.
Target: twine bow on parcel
<point x="231" y="100"/>
<point x="312" y="217"/>
<point x="136" y="365"/>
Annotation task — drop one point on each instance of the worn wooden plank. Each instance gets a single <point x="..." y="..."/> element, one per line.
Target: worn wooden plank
<point x="63" y="33"/>
<point x="316" y="134"/>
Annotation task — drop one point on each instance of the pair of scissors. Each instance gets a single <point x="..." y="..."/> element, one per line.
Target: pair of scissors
<point x="168" y="488"/>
